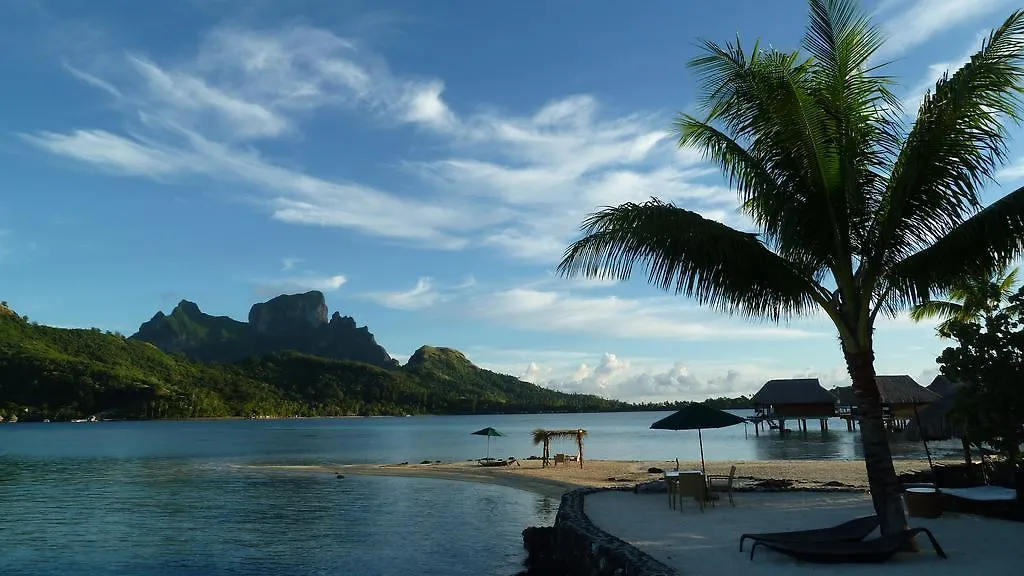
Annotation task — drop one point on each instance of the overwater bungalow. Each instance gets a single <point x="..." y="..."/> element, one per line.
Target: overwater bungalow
<point x="944" y="387"/>
<point x="900" y="396"/>
<point x="792" y="399"/>
<point x="933" y="421"/>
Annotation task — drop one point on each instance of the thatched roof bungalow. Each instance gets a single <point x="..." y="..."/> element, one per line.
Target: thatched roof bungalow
<point x="943" y="386"/>
<point x="935" y="421"/>
<point x="794" y="398"/>
<point x="900" y="394"/>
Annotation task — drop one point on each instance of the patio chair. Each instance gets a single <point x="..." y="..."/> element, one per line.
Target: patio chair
<point x="560" y="458"/>
<point x="672" y="484"/>
<point x="692" y="486"/>
<point x="877" y="550"/>
<point x="719" y="483"/>
<point x="852" y="531"/>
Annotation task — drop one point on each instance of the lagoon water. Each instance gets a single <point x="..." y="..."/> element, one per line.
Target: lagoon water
<point x="168" y="497"/>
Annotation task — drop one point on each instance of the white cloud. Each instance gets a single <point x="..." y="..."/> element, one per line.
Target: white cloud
<point x="297" y="284"/>
<point x="660" y="318"/>
<point x="422" y="295"/>
<point x="289" y="263"/>
<point x="637" y="379"/>
<point x="112" y="152"/>
<point x="525" y="181"/>
<point x="914" y="97"/>
<point x="1013" y="172"/>
<point x="657" y="380"/>
<point x="918" y="21"/>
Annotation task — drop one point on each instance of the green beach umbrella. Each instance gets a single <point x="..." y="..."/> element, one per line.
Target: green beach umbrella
<point x="488" y="432"/>
<point x="697" y="417"/>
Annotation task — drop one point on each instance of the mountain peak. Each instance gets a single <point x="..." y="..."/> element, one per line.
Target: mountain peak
<point x="187" y="308"/>
<point x="296" y="322"/>
<point x="289" y="311"/>
<point x="434" y="355"/>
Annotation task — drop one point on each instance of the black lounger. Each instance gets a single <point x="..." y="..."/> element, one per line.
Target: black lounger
<point x="851" y="531"/>
<point x="867" y="551"/>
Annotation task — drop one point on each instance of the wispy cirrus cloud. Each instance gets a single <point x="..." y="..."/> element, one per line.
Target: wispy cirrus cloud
<point x="524" y="181"/>
<point x="654" y="318"/>
<point x="422" y="295"/>
<point x="296" y="284"/>
<point x="910" y="23"/>
<point x="1014" y="172"/>
<point x="915" y="95"/>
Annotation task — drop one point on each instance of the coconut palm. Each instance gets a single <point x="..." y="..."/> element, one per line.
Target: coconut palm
<point x="860" y="213"/>
<point x="970" y="301"/>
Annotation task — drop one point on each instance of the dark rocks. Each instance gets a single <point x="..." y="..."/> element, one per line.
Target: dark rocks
<point x="773" y="484"/>
<point x="655" y="470"/>
<point x="541" y="559"/>
<point x="341" y="476"/>
<point x="583" y="549"/>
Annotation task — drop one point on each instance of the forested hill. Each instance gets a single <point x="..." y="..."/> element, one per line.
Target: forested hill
<point x="60" y="373"/>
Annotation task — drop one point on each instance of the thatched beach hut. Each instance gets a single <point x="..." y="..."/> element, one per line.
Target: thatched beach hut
<point x="793" y="398"/>
<point x="944" y="386"/>
<point x="900" y="396"/>
<point x="542" y="436"/>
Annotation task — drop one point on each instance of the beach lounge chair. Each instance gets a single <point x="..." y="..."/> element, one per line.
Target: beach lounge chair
<point x="852" y="531"/>
<point x="560" y="458"/>
<point x="877" y="550"/>
<point x="721" y="483"/>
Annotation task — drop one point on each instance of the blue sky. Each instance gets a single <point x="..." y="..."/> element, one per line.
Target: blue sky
<point x="422" y="163"/>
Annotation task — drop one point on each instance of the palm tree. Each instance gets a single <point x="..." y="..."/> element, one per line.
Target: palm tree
<point x="971" y="301"/>
<point x="859" y="212"/>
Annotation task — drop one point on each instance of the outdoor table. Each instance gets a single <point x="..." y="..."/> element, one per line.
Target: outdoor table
<point x="923" y="502"/>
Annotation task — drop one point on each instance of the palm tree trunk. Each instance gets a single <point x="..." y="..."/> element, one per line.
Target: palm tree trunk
<point x="882" y="480"/>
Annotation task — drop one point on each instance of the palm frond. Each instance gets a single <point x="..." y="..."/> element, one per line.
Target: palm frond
<point x="860" y="109"/>
<point x="718" y="266"/>
<point x="765" y="104"/>
<point x="749" y="175"/>
<point x="1008" y="282"/>
<point x="933" y="309"/>
<point x="954" y="147"/>
<point x="979" y="247"/>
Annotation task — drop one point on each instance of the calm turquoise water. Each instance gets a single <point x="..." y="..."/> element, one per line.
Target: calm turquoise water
<point x="167" y="497"/>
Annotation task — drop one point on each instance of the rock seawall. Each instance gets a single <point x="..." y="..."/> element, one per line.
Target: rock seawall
<point x="574" y="546"/>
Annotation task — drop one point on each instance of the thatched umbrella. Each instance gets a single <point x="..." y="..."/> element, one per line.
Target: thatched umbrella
<point x="542" y="436"/>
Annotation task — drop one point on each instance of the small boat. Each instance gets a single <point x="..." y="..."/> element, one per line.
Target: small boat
<point x="491" y="462"/>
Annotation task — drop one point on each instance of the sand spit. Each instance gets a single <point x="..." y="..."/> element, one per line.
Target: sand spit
<point x="553" y="482"/>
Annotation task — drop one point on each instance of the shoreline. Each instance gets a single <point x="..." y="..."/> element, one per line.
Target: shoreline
<point x="553" y="482"/>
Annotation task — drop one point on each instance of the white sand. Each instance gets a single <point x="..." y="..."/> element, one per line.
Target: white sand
<point x="707" y="544"/>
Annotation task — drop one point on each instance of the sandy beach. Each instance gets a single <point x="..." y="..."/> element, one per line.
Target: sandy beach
<point x="554" y="481"/>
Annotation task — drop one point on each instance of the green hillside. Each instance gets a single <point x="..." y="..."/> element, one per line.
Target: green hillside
<point x="59" y="373"/>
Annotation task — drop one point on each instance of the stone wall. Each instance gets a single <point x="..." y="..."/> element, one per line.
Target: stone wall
<point x="576" y="546"/>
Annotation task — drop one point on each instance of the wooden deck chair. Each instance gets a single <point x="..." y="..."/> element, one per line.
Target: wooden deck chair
<point x="719" y="483"/>
<point x="692" y="486"/>
<point x="672" y="483"/>
<point x="560" y="458"/>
